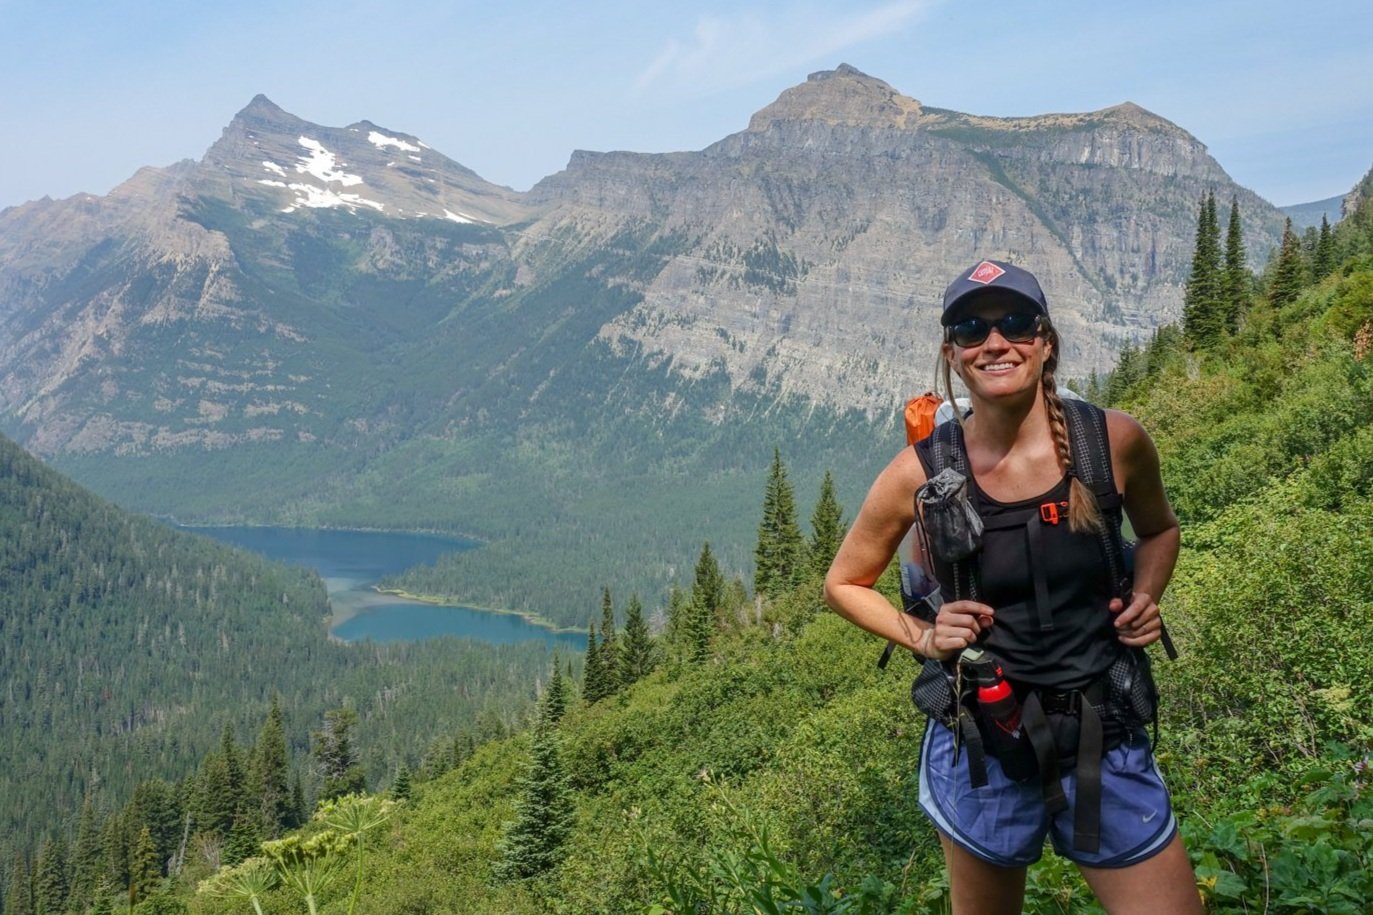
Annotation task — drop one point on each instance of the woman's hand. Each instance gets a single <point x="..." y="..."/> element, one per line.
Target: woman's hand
<point x="957" y="626"/>
<point x="1138" y="624"/>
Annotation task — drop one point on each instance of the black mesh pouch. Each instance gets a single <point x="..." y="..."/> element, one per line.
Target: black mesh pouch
<point x="933" y="692"/>
<point x="952" y="526"/>
<point x="1132" y="698"/>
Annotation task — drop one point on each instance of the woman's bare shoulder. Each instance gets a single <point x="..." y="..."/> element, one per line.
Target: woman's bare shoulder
<point x="1127" y="436"/>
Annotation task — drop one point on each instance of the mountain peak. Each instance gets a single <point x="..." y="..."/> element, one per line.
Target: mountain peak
<point x="1137" y="116"/>
<point x="262" y="107"/>
<point x="844" y="96"/>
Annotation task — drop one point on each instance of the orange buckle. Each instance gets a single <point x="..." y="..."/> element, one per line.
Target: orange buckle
<point x="1048" y="512"/>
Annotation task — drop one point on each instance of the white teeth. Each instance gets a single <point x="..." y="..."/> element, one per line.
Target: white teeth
<point x="996" y="366"/>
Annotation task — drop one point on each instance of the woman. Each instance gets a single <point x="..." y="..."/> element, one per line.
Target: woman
<point x="1000" y="343"/>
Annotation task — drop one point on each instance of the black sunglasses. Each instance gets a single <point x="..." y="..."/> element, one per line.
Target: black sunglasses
<point x="1016" y="327"/>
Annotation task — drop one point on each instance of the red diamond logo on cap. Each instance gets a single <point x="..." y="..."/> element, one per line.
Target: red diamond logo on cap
<point x="985" y="272"/>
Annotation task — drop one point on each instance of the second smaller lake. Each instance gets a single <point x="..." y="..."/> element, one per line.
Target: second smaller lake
<point x="351" y="562"/>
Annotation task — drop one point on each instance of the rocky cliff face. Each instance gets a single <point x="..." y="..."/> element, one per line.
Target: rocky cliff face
<point x="817" y="242"/>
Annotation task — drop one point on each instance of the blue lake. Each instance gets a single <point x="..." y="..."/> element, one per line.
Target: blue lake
<point x="351" y="562"/>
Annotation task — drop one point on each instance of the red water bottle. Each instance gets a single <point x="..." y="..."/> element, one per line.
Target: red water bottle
<point x="999" y="703"/>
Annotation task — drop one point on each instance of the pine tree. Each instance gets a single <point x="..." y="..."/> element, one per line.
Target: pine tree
<point x="556" y="696"/>
<point x="707" y="600"/>
<point x="85" y="863"/>
<point x="1236" y="282"/>
<point x="114" y="841"/>
<point x="300" y="811"/>
<point x="51" y="883"/>
<point x="236" y="774"/>
<point x="101" y="905"/>
<point x="19" y="887"/>
<point x="593" y="680"/>
<point x="145" y="870"/>
<point x="212" y="805"/>
<point x="155" y="805"/>
<point x="401" y="787"/>
<point x="543" y="814"/>
<point x="778" y="555"/>
<point x="1289" y="273"/>
<point x="636" y="648"/>
<point x="272" y="773"/>
<point x="1325" y="251"/>
<point x="334" y="753"/>
<point x="827" y="528"/>
<point x="1203" y="310"/>
<point x="609" y="652"/>
<point x="245" y="838"/>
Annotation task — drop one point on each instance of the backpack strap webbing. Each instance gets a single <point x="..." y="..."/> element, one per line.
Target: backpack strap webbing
<point x="1092" y="465"/>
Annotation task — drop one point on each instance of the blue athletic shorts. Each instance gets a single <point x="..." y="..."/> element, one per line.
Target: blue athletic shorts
<point x="1004" y="822"/>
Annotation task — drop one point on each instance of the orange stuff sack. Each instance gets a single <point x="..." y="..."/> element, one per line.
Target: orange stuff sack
<point x="920" y="413"/>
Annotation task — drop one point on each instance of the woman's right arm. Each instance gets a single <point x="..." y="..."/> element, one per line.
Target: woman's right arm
<point x="887" y="514"/>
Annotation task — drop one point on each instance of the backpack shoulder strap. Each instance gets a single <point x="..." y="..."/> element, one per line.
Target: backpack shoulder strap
<point x="1092" y="464"/>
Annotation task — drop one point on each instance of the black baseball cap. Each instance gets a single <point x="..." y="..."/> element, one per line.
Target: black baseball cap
<point x="987" y="275"/>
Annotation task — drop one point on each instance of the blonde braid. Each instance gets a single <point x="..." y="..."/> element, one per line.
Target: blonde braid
<point x="948" y="388"/>
<point x="1084" y="514"/>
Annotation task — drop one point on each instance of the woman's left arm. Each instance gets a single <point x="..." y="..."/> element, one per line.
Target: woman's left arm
<point x="1136" y="466"/>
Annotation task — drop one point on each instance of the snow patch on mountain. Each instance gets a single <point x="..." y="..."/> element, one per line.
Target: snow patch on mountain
<point x="323" y="164"/>
<point x="273" y="167"/>
<point x="381" y="141"/>
<point x="457" y="217"/>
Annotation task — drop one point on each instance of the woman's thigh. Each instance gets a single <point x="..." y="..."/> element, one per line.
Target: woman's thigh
<point x="1163" y="884"/>
<point x="979" y="888"/>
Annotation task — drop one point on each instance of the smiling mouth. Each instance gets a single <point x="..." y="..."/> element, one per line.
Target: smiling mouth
<point x="996" y="367"/>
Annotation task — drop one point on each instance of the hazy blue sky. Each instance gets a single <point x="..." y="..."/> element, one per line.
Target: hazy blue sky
<point x="1282" y="93"/>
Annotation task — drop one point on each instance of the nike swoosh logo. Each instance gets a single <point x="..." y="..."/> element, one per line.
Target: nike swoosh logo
<point x="1151" y="815"/>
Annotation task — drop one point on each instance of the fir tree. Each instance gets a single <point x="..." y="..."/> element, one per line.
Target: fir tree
<point x="155" y="805"/>
<point x="1289" y="272"/>
<point x="245" y="838"/>
<point x="333" y="747"/>
<point x="827" y="528"/>
<point x="556" y="697"/>
<point x="1203" y="309"/>
<point x="593" y="680"/>
<point x="609" y="652"/>
<point x="85" y="862"/>
<point x="400" y="788"/>
<point x="543" y="814"/>
<point x="114" y="841"/>
<point x="213" y="800"/>
<point x="50" y="879"/>
<point x="271" y="773"/>
<point x="19" y="887"/>
<point x="707" y="600"/>
<point x="235" y="773"/>
<point x="102" y="904"/>
<point x="777" y="557"/>
<point x="636" y="648"/>
<point x="1236" y="282"/>
<point x="300" y="811"/>
<point x="145" y="869"/>
<point x="1324" y="261"/>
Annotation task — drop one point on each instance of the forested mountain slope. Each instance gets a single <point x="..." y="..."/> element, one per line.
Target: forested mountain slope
<point x="126" y="648"/>
<point x="779" y="754"/>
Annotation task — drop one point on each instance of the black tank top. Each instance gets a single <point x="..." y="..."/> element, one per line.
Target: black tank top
<point x="1055" y="632"/>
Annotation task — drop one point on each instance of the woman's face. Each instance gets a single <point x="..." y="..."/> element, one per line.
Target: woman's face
<point x="997" y="367"/>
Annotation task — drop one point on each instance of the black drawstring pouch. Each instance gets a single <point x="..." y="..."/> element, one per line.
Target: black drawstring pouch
<point x="952" y="525"/>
